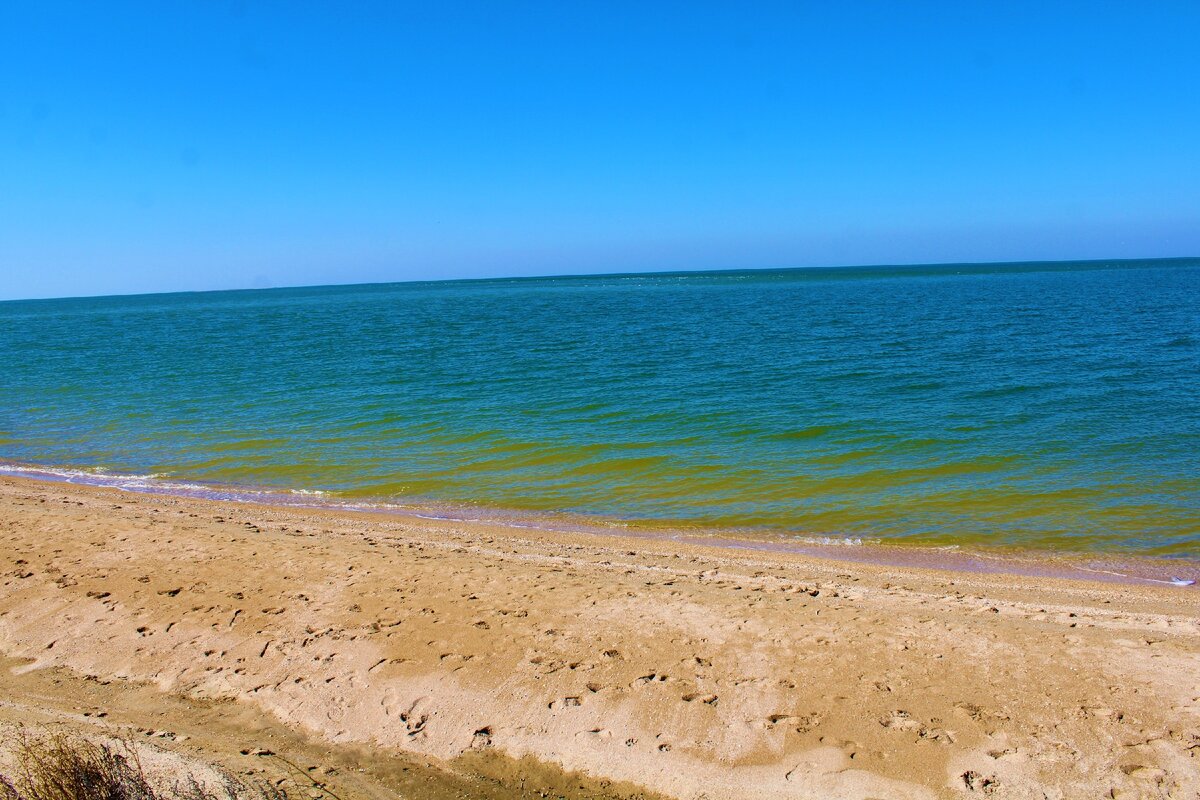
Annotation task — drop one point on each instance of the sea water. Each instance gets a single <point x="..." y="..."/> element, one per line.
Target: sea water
<point x="1042" y="405"/>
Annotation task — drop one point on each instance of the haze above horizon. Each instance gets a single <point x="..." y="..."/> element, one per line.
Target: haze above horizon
<point x="146" y="149"/>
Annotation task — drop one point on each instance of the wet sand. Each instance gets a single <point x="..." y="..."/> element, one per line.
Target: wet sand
<point x="457" y="649"/>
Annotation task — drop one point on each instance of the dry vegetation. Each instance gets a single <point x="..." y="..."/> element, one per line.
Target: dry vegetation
<point x="61" y="767"/>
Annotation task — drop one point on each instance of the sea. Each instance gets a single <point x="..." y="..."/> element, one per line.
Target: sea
<point x="1051" y="407"/>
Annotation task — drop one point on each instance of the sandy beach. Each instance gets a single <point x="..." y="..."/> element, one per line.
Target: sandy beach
<point x="414" y="658"/>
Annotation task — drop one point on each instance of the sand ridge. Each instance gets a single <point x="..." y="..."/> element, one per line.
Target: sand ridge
<point x="693" y="671"/>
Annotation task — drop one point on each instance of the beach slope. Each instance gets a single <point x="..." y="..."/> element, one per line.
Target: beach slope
<point x="690" y="671"/>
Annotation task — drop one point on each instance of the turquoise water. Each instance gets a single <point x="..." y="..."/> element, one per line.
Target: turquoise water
<point x="1035" y="405"/>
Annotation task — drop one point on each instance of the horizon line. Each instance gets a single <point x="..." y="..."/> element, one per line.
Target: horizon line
<point x="593" y="275"/>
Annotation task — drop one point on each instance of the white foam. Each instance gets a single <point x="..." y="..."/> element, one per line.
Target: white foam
<point x="843" y="541"/>
<point x="99" y="476"/>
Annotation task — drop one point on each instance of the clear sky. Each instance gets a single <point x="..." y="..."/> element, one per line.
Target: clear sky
<point x="193" y="145"/>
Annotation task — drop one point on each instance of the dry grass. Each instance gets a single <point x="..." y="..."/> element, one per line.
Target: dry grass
<point x="59" y="767"/>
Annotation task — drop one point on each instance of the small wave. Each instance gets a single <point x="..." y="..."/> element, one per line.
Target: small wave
<point x="151" y="483"/>
<point x="1173" y="581"/>
<point x="811" y="432"/>
<point x="841" y="541"/>
<point x="1010" y="390"/>
<point x="98" y="476"/>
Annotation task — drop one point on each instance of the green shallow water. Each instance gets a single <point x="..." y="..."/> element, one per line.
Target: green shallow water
<point x="1032" y="405"/>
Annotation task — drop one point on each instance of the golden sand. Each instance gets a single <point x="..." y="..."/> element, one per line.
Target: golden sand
<point x="466" y="658"/>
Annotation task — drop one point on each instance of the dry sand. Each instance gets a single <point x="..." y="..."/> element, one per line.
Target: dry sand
<point x="435" y="659"/>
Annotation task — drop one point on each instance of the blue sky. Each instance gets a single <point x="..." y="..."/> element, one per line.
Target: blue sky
<point x="194" y="145"/>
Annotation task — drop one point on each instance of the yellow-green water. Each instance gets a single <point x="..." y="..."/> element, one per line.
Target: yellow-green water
<point x="1034" y="405"/>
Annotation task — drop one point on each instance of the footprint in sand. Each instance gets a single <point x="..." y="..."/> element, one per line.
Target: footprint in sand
<point x="707" y="699"/>
<point x="645" y="680"/>
<point x="900" y="721"/>
<point x="482" y="738"/>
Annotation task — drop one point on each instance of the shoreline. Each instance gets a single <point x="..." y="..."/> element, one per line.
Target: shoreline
<point x="690" y="670"/>
<point x="1110" y="566"/>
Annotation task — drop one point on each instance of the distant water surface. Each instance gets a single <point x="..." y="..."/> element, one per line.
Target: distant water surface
<point x="1030" y="405"/>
